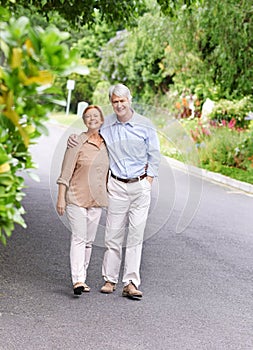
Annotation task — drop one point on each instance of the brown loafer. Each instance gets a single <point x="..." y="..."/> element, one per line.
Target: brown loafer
<point x="108" y="287"/>
<point x="131" y="291"/>
<point x="86" y="288"/>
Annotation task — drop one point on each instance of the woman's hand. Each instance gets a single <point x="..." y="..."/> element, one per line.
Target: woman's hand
<point x="61" y="206"/>
<point x="72" y="141"/>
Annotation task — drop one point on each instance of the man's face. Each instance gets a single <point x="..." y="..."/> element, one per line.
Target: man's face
<point x="121" y="106"/>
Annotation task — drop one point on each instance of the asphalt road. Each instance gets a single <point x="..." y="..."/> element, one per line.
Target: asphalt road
<point x="197" y="271"/>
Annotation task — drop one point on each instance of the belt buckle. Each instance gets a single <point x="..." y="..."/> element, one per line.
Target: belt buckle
<point x="142" y="177"/>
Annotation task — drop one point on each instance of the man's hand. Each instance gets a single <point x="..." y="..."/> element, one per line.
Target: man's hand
<point x="72" y="141"/>
<point x="150" y="179"/>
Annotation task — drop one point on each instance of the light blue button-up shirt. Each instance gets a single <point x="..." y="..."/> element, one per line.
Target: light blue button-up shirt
<point x="132" y="146"/>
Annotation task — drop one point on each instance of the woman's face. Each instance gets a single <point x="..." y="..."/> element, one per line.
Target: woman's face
<point x="92" y="119"/>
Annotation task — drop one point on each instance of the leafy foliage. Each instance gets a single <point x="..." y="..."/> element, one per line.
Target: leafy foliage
<point x="30" y="59"/>
<point x="197" y="51"/>
<point x="231" y="53"/>
<point x="170" y="7"/>
<point x="223" y="148"/>
<point x="78" y="12"/>
<point x="135" y="57"/>
<point x="209" y="57"/>
<point x="226" y="110"/>
<point x="89" y="46"/>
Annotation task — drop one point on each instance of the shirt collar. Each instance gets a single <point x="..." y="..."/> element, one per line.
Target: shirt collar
<point x="83" y="137"/>
<point x="131" y="121"/>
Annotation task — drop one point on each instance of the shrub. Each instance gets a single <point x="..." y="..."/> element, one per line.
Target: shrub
<point x="244" y="151"/>
<point x="30" y="57"/>
<point x="223" y="148"/>
<point x="227" y="110"/>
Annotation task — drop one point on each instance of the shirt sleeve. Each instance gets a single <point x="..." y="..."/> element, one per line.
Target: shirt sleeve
<point x="153" y="148"/>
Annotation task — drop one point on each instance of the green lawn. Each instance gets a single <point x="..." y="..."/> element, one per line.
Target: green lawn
<point x="62" y="118"/>
<point x="68" y="120"/>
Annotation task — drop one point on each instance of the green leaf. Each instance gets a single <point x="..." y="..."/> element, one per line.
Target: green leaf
<point x="41" y="128"/>
<point x="2" y="237"/>
<point x="3" y="155"/>
<point x="4" y="14"/>
<point x="18" y="27"/>
<point x="8" y="231"/>
<point x="6" y="179"/>
<point x="34" y="176"/>
<point x="19" y="220"/>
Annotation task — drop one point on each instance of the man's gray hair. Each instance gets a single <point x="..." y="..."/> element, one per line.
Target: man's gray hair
<point x="120" y="90"/>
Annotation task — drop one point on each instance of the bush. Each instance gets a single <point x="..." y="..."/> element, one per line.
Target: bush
<point x="244" y="151"/>
<point x="226" y="110"/>
<point x="221" y="147"/>
<point x="30" y="57"/>
<point x="224" y="148"/>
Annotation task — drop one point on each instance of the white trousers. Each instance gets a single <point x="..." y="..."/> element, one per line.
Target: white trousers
<point x="128" y="205"/>
<point x="83" y="223"/>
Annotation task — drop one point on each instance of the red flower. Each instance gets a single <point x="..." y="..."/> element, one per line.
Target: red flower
<point x="232" y="123"/>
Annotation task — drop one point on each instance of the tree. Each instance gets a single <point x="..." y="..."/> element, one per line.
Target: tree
<point x="79" y="12"/>
<point x="171" y="7"/>
<point x="134" y="56"/>
<point x="211" y="47"/>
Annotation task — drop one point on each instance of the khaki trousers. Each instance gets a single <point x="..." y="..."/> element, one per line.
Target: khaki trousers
<point x="128" y="205"/>
<point x="83" y="223"/>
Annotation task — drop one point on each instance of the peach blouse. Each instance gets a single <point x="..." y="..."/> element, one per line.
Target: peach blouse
<point x="84" y="172"/>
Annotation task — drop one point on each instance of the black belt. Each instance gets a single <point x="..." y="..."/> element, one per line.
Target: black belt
<point x="135" y="179"/>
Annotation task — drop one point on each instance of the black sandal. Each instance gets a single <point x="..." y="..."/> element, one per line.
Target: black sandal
<point x="78" y="288"/>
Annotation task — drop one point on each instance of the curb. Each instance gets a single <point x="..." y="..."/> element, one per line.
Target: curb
<point x="209" y="175"/>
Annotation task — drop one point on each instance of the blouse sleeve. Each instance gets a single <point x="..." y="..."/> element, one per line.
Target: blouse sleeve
<point x="68" y="164"/>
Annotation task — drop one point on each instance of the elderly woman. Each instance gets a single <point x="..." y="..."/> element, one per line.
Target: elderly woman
<point x="82" y="193"/>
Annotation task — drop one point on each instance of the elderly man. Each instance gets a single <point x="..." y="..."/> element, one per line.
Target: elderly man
<point x="134" y="156"/>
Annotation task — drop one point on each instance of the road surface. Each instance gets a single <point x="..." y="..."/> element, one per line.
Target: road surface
<point x="197" y="271"/>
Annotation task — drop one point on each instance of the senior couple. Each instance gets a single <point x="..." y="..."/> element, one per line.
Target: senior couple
<point x="111" y="165"/>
